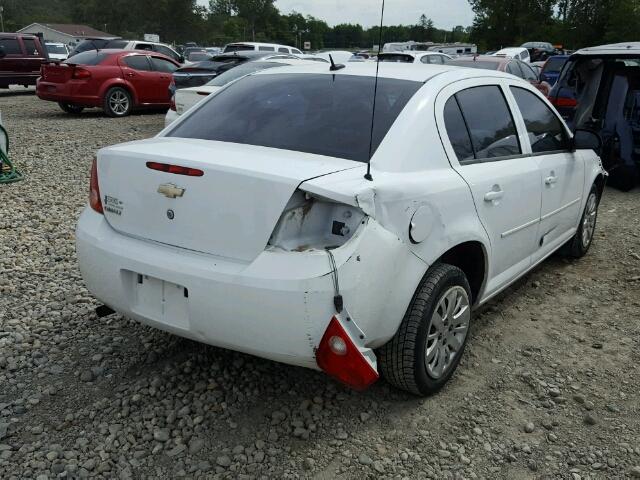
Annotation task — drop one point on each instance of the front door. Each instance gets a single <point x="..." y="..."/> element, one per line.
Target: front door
<point x="503" y="180"/>
<point x="561" y="172"/>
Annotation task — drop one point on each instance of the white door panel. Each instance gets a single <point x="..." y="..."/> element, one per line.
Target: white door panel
<point x="561" y="180"/>
<point x="507" y="198"/>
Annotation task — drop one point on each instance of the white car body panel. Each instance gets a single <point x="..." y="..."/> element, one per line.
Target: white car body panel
<point x="239" y="287"/>
<point x="514" y="52"/>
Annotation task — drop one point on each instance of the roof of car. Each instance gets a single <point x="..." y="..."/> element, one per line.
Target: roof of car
<point x="399" y="71"/>
<point x="626" y="48"/>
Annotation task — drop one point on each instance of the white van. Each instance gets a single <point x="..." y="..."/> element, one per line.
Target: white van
<point x="260" y="47"/>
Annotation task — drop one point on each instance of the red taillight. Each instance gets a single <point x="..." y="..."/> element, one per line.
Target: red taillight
<point x="94" y="191"/>
<point x="178" y="170"/>
<point x="340" y="358"/>
<point x="80" y="73"/>
<point x="172" y="105"/>
<point x="563" y="102"/>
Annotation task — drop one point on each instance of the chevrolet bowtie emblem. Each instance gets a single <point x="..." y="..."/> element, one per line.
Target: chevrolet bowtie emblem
<point x="170" y="190"/>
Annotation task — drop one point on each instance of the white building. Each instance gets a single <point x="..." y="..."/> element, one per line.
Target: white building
<point x="66" y="33"/>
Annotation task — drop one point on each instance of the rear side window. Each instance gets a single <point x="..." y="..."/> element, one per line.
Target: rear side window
<point x="267" y="49"/>
<point x="554" y="65"/>
<point x="10" y="46"/>
<point x="283" y="50"/>
<point x="90" y="57"/>
<point x="545" y="130"/>
<point x="396" y="57"/>
<point x="489" y="121"/>
<point x="296" y="51"/>
<point x="162" y="65"/>
<point x="313" y="113"/>
<point x="30" y="47"/>
<point x="457" y="131"/>
<point x="143" y="46"/>
<point x="137" y="62"/>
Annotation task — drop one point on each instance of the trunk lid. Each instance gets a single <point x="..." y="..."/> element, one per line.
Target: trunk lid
<point x="56" y="72"/>
<point x="229" y="211"/>
<point x="188" y="97"/>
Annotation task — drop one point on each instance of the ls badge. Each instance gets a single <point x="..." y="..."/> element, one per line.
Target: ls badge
<point x="170" y="190"/>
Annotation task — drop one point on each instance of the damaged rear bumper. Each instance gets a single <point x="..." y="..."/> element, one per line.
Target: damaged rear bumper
<point x="277" y="307"/>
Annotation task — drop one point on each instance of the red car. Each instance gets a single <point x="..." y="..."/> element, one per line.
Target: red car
<point x="504" y="64"/>
<point x="115" y="80"/>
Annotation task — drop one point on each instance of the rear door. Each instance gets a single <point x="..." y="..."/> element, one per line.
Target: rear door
<point x="561" y="174"/>
<point x="485" y="148"/>
<point x="137" y="70"/>
<point x="11" y="64"/>
<point x="33" y="56"/>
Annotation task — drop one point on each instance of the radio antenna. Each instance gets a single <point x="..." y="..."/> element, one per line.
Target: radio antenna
<point x="368" y="176"/>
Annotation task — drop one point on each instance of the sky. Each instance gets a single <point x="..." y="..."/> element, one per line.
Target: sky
<point x="445" y="15"/>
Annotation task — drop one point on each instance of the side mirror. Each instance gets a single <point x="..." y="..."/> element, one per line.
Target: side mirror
<point x="181" y="59"/>
<point x="2" y="52"/>
<point x="584" y="139"/>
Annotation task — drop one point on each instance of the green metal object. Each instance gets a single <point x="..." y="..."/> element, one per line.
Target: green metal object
<point x="8" y="172"/>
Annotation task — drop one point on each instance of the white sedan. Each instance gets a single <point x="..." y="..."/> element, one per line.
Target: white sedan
<point x="185" y="98"/>
<point x="270" y="221"/>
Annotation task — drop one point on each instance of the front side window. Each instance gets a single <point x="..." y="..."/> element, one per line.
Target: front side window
<point x="283" y="50"/>
<point x="166" y="51"/>
<point x="314" y="113"/>
<point x="296" y="51"/>
<point x="488" y="118"/>
<point x="137" y="62"/>
<point x="162" y="65"/>
<point x="10" y="46"/>
<point x="528" y="72"/>
<point x="545" y="130"/>
<point x="514" y="69"/>
<point x="144" y="46"/>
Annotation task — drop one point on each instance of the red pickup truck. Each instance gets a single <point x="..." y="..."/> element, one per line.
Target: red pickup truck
<point x="20" y="59"/>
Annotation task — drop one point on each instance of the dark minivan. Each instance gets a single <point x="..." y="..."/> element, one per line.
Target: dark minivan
<point x="20" y="59"/>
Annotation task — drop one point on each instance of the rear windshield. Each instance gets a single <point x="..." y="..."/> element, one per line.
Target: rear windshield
<point x="56" y="49"/>
<point x="313" y="113"/>
<point x="240" y="71"/>
<point x="396" y="57"/>
<point x="198" y="56"/>
<point x="90" y="57"/>
<point x="238" y="48"/>
<point x="470" y="64"/>
<point x="554" y="65"/>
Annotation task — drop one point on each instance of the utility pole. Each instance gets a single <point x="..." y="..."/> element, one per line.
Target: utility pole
<point x="1" y="18"/>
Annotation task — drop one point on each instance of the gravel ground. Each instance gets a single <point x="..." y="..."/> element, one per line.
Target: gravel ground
<point x="549" y="386"/>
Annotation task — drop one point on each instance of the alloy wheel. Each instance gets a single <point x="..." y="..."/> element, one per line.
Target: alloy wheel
<point x="447" y="331"/>
<point x="119" y="102"/>
<point x="589" y="219"/>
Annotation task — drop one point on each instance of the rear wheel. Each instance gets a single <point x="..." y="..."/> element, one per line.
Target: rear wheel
<point x="70" y="108"/>
<point x="579" y="245"/>
<point x="117" y="102"/>
<point x="427" y="348"/>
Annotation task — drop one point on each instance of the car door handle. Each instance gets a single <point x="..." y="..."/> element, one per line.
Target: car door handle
<point x="493" y="195"/>
<point x="131" y="74"/>
<point x="551" y="180"/>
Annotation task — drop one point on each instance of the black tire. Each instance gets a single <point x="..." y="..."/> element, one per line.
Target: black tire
<point x="579" y="245"/>
<point x="117" y="102"/>
<point x="403" y="360"/>
<point x="71" y="108"/>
